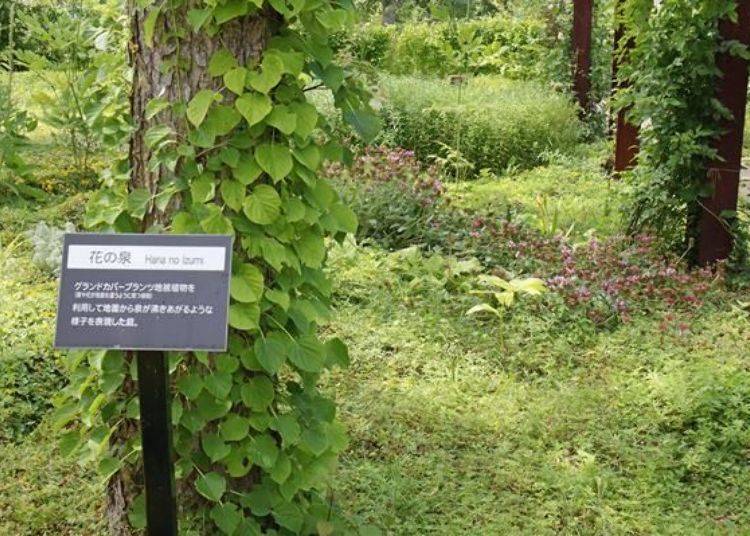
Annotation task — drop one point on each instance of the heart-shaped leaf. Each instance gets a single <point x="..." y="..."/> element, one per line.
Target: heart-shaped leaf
<point x="275" y="159"/>
<point x="263" y="205"/>
<point x="247" y="284"/>
<point x="198" y="106"/>
<point x="254" y="107"/>
<point x="212" y="486"/>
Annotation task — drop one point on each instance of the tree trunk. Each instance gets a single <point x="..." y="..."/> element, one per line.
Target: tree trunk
<point x="246" y="37"/>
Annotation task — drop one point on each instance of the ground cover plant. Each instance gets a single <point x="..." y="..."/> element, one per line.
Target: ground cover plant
<point x="518" y="363"/>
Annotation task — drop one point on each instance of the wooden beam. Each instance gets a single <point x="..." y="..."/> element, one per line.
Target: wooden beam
<point x="583" y="18"/>
<point x="626" y="134"/>
<point x="715" y="240"/>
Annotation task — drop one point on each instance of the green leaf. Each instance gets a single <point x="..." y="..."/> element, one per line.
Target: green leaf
<point x="234" y="79"/>
<point x="263" y="451"/>
<point x="282" y="119"/>
<point x="271" y="352"/>
<point x="221" y="62"/>
<point x="337" y="353"/>
<point x="263" y="205"/>
<point x="247" y="171"/>
<point x="198" y="17"/>
<point x="230" y="10"/>
<point x="149" y="25"/>
<point x="315" y="440"/>
<point x="244" y="316"/>
<point x="190" y="386"/>
<point x="282" y="469"/>
<point x="307" y="355"/>
<point x="233" y="194"/>
<point x="307" y="118"/>
<point x="227" y="517"/>
<point x="215" y="447"/>
<point x="198" y="106"/>
<point x="137" y="513"/>
<point x="247" y="284"/>
<point x="203" y="188"/>
<point x="138" y="202"/>
<point x="212" y="486"/>
<point x="274" y="159"/>
<point x="155" y="106"/>
<point x="289" y="516"/>
<point x="272" y="69"/>
<point x="311" y="249"/>
<point x="219" y="384"/>
<point x="258" y="393"/>
<point x="294" y="209"/>
<point x="341" y="218"/>
<point x="308" y="156"/>
<point x="234" y="428"/>
<point x="365" y="122"/>
<point x="221" y="120"/>
<point x="108" y="466"/>
<point x="278" y="297"/>
<point x="216" y="223"/>
<point x="254" y="107"/>
<point x="288" y="427"/>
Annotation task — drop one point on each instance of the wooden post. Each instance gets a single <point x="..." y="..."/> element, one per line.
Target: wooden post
<point x="626" y="134"/>
<point x="583" y="18"/>
<point x="715" y="239"/>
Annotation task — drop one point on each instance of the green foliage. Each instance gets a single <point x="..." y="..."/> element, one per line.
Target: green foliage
<point x="678" y="110"/>
<point x="511" y="47"/>
<point x="493" y="123"/>
<point x="576" y="424"/>
<point x="29" y="374"/>
<point x="47" y="243"/>
<point x="15" y="125"/>
<point x="80" y="59"/>
<point x="255" y="439"/>
<point x="394" y="197"/>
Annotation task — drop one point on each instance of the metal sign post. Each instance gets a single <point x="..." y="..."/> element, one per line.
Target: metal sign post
<point x="150" y="294"/>
<point x="156" y="438"/>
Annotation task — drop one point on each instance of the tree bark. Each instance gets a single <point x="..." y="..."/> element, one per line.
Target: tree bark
<point x="246" y="37"/>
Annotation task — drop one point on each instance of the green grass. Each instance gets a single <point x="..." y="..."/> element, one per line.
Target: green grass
<point x="571" y="194"/>
<point x="640" y="430"/>
<point x="599" y="433"/>
<point x="495" y="124"/>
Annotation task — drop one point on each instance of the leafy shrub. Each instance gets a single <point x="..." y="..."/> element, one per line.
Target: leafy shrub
<point x="491" y="122"/>
<point x="29" y="375"/>
<point x="393" y="195"/>
<point x="47" y="242"/>
<point x="15" y="125"/>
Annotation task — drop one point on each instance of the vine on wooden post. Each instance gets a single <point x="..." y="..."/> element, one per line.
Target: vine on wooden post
<point x="672" y="74"/>
<point x="232" y="146"/>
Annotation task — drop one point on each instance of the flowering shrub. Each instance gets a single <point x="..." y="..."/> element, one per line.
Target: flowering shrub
<point x="608" y="279"/>
<point x="394" y="196"/>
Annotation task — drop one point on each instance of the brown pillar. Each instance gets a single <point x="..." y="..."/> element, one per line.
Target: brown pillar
<point x="583" y="12"/>
<point x="626" y="134"/>
<point x="715" y="238"/>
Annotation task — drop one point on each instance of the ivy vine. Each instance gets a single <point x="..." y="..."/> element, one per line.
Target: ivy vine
<point x="672" y="73"/>
<point x="238" y="153"/>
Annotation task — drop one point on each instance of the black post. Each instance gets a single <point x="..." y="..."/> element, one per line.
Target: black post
<point x="156" y="434"/>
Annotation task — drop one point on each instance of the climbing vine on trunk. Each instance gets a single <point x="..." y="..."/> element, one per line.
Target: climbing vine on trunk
<point x="226" y="142"/>
<point x="672" y="73"/>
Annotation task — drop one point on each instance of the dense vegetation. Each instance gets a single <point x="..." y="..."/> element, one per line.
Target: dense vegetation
<point x="520" y="361"/>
